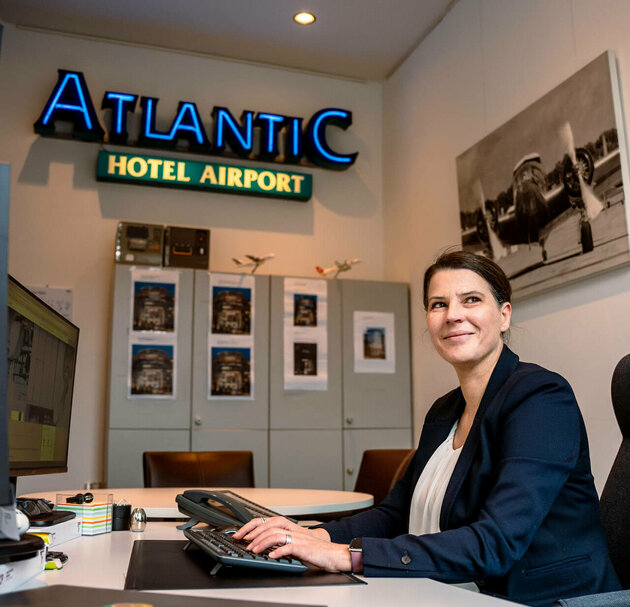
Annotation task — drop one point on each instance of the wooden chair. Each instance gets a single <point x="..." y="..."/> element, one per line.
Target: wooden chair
<point x="402" y="467"/>
<point x="378" y="469"/>
<point x="198" y="468"/>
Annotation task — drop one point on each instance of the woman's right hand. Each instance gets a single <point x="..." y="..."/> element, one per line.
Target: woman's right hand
<point x="285" y="539"/>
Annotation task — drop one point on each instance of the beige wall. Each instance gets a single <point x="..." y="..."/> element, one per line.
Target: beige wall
<point x="488" y="60"/>
<point x="63" y="222"/>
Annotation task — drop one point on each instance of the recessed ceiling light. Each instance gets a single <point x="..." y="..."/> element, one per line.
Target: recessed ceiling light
<point x="304" y="18"/>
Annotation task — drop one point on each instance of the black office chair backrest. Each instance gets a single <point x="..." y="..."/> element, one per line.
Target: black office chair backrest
<point x="378" y="467"/>
<point x="198" y="468"/>
<point x="615" y="498"/>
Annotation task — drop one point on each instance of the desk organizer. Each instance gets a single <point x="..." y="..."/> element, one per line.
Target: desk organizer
<point x="96" y="516"/>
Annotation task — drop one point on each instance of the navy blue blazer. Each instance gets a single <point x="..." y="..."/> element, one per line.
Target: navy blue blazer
<point x="520" y="515"/>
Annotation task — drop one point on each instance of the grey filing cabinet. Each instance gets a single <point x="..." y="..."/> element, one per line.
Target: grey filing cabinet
<point x="317" y="439"/>
<point x="231" y="424"/>
<point x="299" y="438"/>
<point x="145" y="424"/>
<point x="305" y="437"/>
<point x="376" y="406"/>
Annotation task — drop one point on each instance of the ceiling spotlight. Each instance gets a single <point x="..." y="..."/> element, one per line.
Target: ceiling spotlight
<point x="304" y="18"/>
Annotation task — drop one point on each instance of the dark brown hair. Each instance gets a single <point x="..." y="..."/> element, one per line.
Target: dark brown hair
<point x="490" y="271"/>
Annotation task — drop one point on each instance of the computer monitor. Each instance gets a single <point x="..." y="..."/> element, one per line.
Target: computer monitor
<point x="42" y="354"/>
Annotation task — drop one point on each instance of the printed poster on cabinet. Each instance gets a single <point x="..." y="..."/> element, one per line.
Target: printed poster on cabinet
<point x="305" y="334"/>
<point x="231" y="337"/>
<point x="153" y="333"/>
<point x="374" y="342"/>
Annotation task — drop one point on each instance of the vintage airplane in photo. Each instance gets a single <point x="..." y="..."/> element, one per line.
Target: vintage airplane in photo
<point x="252" y="261"/>
<point x="338" y="267"/>
<point x="535" y="211"/>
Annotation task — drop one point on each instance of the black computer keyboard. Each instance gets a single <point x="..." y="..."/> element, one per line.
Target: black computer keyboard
<point x="228" y="551"/>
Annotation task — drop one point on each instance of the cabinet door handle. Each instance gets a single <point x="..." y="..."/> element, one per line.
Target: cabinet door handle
<point x="349" y="420"/>
<point x="198" y="420"/>
<point x="350" y="470"/>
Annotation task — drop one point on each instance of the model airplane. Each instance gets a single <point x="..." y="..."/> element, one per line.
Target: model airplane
<point x="252" y="261"/>
<point x="338" y="267"/>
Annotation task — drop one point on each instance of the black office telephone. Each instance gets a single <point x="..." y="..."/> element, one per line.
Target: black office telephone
<point x="219" y="508"/>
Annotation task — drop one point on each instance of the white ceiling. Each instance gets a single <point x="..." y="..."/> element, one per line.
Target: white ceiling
<point x="359" y="39"/>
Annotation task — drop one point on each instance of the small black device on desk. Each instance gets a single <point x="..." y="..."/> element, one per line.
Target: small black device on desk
<point x="226" y="508"/>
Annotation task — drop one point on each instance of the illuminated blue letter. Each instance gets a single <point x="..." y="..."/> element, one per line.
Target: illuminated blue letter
<point x="148" y="135"/>
<point x="240" y="138"/>
<point x="293" y="151"/>
<point x="270" y="125"/>
<point x="317" y="149"/>
<point x="119" y="104"/>
<point x="187" y="125"/>
<point x="70" y="101"/>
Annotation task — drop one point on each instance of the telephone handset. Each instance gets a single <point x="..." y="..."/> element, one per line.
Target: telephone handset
<point x="218" y="508"/>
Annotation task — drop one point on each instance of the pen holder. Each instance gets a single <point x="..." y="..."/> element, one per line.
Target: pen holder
<point x="121" y="517"/>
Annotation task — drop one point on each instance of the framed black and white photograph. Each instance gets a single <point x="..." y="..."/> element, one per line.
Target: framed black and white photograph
<point x="543" y="195"/>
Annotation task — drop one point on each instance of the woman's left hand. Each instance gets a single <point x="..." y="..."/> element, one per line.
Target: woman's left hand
<point x="305" y="546"/>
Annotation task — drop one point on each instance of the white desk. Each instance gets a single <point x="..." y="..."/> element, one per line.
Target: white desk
<point x="160" y="502"/>
<point x="101" y="561"/>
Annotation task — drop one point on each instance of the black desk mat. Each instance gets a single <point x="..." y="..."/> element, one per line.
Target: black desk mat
<point x="165" y="565"/>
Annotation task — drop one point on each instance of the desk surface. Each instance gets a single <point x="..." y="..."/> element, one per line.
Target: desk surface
<point x="101" y="561"/>
<point x="160" y="502"/>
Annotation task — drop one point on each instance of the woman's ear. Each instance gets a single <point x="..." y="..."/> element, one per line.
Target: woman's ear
<point x="506" y="316"/>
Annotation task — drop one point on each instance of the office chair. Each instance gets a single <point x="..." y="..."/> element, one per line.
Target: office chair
<point x="377" y="471"/>
<point x="198" y="468"/>
<point x="615" y="498"/>
<point x="616" y="494"/>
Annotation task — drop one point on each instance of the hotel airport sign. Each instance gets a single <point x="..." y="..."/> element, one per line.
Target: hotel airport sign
<point x="231" y="179"/>
<point x="262" y="136"/>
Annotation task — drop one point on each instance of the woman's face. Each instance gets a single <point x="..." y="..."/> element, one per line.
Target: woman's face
<point x="464" y="320"/>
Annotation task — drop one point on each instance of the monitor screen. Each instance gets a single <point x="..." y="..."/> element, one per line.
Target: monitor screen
<point x="42" y="354"/>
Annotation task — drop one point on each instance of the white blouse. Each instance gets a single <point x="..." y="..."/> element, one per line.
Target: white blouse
<point x="428" y="495"/>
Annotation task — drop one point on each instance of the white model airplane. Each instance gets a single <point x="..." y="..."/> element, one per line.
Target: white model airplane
<point x="338" y="267"/>
<point x="252" y="260"/>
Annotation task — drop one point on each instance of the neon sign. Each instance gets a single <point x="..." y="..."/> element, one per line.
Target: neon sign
<point x="254" y="136"/>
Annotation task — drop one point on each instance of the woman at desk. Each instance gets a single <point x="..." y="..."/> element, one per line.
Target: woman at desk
<point x="500" y="490"/>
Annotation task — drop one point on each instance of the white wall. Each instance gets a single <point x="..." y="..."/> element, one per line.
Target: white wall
<point x="487" y="61"/>
<point x="63" y="222"/>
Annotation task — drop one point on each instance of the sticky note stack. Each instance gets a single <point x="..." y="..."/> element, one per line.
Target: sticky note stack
<point x="96" y="516"/>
